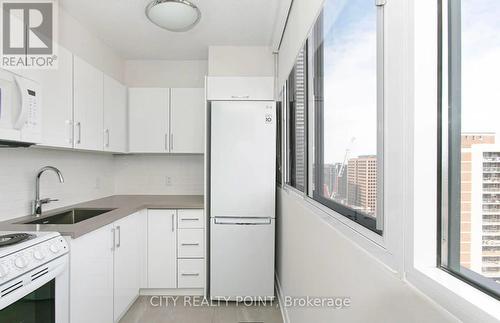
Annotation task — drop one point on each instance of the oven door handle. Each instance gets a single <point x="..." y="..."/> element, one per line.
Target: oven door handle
<point x="29" y="284"/>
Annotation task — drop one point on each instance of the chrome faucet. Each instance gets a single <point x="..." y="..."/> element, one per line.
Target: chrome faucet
<point x="37" y="203"/>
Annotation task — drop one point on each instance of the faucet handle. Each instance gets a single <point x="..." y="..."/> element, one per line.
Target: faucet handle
<point x="48" y="200"/>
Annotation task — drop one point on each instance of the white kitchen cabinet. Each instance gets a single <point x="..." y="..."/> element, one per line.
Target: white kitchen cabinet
<point x="187" y="123"/>
<point x="127" y="263"/>
<point x="87" y="105"/>
<point x="162" y="249"/>
<point x="191" y="273"/>
<point x="91" y="277"/>
<point x="240" y="88"/>
<point x="57" y="100"/>
<point x="115" y="115"/>
<point x="149" y="120"/>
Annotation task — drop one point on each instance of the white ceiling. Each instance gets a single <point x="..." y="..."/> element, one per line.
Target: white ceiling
<point x="123" y="26"/>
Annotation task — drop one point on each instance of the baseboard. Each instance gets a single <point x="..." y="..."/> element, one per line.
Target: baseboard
<point x="279" y="294"/>
<point x="172" y="292"/>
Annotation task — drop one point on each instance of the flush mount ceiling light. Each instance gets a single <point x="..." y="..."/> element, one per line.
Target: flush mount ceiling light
<point x="173" y="15"/>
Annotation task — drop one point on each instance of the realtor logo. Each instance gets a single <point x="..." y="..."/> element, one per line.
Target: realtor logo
<point x="28" y="34"/>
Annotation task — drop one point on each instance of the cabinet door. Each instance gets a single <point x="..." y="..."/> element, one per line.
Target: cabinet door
<point x="127" y="263"/>
<point x="240" y="88"/>
<point x="115" y="115"/>
<point x="148" y="120"/>
<point x="88" y="105"/>
<point x="57" y="100"/>
<point x="91" y="277"/>
<point x="162" y="249"/>
<point x="187" y="110"/>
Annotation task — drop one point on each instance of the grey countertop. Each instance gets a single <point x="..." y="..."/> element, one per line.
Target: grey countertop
<point x="123" y="206"/>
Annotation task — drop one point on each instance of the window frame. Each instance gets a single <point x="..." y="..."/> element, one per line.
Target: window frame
<point x="449" y="149"/>
<point x="289" y="146"/>
<point x="376" y="225"/>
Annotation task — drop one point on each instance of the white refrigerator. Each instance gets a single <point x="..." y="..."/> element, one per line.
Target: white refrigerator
<point x="242" y="199"/>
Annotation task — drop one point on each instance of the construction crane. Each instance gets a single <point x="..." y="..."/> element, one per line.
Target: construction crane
<point x="346" y="156"/>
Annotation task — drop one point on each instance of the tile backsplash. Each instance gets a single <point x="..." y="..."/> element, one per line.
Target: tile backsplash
<point x="91" y="175"/>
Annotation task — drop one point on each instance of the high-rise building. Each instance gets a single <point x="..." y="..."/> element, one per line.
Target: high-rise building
<point x="468" y="140"/>
<point x="362" y="183"/>
<point x="485" y="210"/>
<point x="335" y="182"/>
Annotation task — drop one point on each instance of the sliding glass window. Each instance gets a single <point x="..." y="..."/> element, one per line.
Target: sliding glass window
<point x="469" y="146"/>
<point x="348" y="110"/>
<point x="297" y="121"/>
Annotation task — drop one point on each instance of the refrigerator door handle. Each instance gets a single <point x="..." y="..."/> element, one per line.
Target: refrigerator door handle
<point x="242" y="221"/>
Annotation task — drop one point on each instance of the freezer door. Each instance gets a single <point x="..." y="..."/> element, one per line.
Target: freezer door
<point x="243" y="159"/>
<point x="242" y="258"/>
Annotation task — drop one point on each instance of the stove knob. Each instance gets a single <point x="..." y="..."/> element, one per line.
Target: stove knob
<point x="21" y="262"/>
<point x="54" y="248"/>
<point x="4" y="270"/>
<point x="39" y="254"/>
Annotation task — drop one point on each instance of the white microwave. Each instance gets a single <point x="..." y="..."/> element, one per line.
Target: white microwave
<point x="20" y="109"/>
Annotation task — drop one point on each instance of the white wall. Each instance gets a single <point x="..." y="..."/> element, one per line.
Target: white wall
<point x="164" y="73"/>
<point x="240" y="61"/>
<point x="87" y="176"/>
<point x="315" y="259"/>
<point x="147" y="174"/>
<point x="79" y="40"/>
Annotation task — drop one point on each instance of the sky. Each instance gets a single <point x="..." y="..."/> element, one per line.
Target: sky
<point x="350" y="78"/>
<point x="481" y="66"/>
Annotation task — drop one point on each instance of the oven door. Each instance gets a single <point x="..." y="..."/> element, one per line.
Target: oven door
<point x="39" y="296"/>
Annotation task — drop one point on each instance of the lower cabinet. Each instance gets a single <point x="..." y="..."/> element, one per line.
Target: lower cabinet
<point x="127" y="262"/>
<point x="151" y="249"/>
<point x="162" y="242"/>
<point x="176" y="249"/>
<point x="91" y="277"/>
<point x="105" y="271"/>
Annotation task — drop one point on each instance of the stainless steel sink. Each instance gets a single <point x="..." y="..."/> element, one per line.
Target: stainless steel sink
<point x="69" y="217"/>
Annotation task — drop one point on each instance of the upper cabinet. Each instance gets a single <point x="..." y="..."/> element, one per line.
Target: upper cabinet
<point x="149" y="120"/>
<point x="57" y="100"/>
<point x="240" y="88"/>
<point x="115" y="116"/>
<point x="87" y="105"/>
<point x="163" y="120"/>
<point x="187" y="111"/>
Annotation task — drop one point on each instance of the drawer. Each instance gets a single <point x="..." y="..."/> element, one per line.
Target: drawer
<point x="191" y="273"/>
<point x="190" y="243"/>
<point x="190" y="219"/>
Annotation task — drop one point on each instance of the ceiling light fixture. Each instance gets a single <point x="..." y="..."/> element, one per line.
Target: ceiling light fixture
<point x="173" y="15"/>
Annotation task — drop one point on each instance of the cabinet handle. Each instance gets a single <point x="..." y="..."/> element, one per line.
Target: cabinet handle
<point x="171" y="142"/>
<point x="190" y="274"/>
<point x="79" y="126"/>
<point x="190" y="219"/>
<point x="190" y="244"/>
<point x="166" y="141"/>
<point x="106" y="131"/>
<point x="114" y="239"/>
<point x="240" y="96"/>
<point x="173" y="216"/>
<point x="118" y="228"/>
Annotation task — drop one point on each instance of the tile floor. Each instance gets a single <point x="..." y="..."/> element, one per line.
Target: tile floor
<point x="142" y="311"/>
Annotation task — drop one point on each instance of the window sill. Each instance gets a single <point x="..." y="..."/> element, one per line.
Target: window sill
<point x="368" y="240"/>
<point x="463" y="300"/>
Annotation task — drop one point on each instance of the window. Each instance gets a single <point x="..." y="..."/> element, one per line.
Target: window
<point x="279" y="138"/>
<point x="297" y="120"/>
<point x="469" y="146"/>
<point x="348" y="110"/>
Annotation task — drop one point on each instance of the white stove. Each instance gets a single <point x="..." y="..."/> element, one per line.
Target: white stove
<point x="33" y="274"/>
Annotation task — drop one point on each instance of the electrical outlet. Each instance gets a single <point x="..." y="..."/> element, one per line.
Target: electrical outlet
<point x="168" y="181"/>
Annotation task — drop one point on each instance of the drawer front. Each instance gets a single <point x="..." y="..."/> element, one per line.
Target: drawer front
<point x="190" y="243"/>
<point x="190" y="219"/>
<point x="191" y="273"/>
